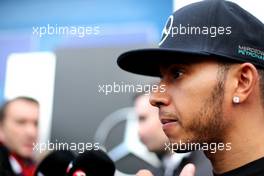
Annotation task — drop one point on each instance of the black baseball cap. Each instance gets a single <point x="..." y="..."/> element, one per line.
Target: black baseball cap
<point x="210" y="28"/>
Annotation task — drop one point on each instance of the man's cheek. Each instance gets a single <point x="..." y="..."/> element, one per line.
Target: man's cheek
<point x="187" y="104"/>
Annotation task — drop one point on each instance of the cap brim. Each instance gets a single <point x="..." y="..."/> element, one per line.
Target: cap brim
<point x="148" y="61"/>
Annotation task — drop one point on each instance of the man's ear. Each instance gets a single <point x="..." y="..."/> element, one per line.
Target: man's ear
<point x="246" y="76"/>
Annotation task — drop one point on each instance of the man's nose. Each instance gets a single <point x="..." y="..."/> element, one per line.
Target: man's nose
<point x="160" y="97"/>
<point x="32" y="130"/>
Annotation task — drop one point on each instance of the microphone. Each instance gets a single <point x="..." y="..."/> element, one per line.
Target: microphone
<point x="92" y="163"/>
<point x="56" y="163"/>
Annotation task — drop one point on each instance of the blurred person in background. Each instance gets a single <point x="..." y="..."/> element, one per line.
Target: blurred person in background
<point x="18" y="132"/>
<point x="151" y="134"/>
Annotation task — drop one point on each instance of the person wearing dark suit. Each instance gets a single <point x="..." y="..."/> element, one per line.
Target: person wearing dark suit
<point x="18" y="133"/>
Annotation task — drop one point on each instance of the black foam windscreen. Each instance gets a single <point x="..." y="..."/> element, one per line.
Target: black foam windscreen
<point x="56" y="163"/>
<point x="92" y="163"/>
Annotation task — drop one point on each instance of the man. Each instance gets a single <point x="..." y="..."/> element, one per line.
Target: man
<point x="151" y="134"/>
<point x="213" y="76"/>
<point x="18" y="131"/>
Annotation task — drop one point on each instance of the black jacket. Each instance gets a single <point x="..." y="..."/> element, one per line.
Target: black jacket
<point x="5" y="167"/>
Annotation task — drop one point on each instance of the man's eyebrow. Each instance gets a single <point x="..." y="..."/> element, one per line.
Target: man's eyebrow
<point x="170" y="67"/>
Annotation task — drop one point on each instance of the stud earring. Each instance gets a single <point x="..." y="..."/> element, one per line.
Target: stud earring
<point x="236" y="99"/>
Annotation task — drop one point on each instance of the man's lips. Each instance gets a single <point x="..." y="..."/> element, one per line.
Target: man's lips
<point x="165" y="121"/>
<point x="168" y="119"/>
<point x="167" y="124"/>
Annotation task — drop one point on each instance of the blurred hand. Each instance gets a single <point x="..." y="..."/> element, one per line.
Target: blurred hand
<point x="144" y="173"/>
<point x="188" y="170"/>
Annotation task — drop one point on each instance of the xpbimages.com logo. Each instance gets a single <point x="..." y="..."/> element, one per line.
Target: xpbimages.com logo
<point x="192" y="146"/>
<point x="79" y="31"/>
<point x="122" y="87"/>
<point x="172" y="30"/>
<point x="79" y="147"/>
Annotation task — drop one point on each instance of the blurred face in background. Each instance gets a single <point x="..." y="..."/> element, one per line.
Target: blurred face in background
<point x="19" y="127"/>
<point x="150" y="128"/>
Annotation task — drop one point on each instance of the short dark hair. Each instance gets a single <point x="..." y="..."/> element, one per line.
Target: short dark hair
<point x="5" y="105"/>
<point x="261" y="84"/>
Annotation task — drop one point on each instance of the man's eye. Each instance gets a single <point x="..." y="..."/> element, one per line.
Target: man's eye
<point x="176" y="74"/>
<point x="21" y="122"/>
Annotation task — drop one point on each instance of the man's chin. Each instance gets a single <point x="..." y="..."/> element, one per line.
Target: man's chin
<point x="26" y="153"/>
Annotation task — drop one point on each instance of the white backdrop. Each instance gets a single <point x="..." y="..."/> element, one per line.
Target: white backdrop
<point x="33" y="75"/>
